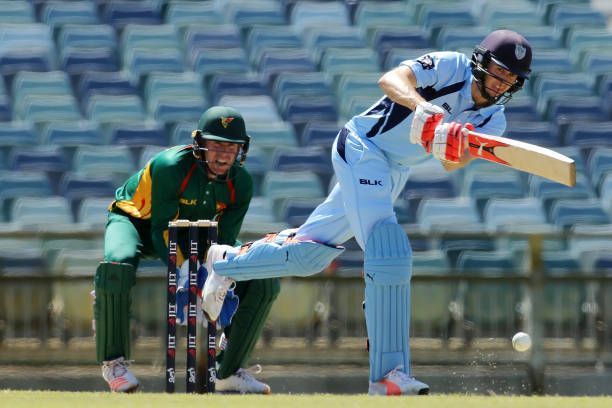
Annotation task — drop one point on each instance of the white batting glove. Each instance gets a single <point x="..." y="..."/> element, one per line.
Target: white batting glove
<point x="425" y="119"/>
<point x="450" y="140"/>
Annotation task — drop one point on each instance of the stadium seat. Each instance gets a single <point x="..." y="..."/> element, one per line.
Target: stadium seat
<point x="277" y="186"/>
<point x="453" y="38"/>
<point x="207" y="61"/>
<point x="567" y="213"/>
<point x="109" y="83"/>
<point x="80" y="60"/>
<point x="565" y="16"/>
<point x="318" y="133"/>
<point x="93" y="212"/>
<point x="180" y="133"/>
<point x="255" y="109"/>
<point x="434" y="16"/>
<point x="549" y="191"/>
<point x="340" y="60"/>
<point x="56" y="14"/>
<point x="260" y="217"/>
<point x="272" y="134"/>
<point x="71" y="134"/>
<point x="253" y="13"/>
<point x="552" y="60"/>
<point x="136" y="134"/>
<point x="76" y="187"/>
<point x="446" y="213"/>
<point x="295" y="211"/>
<point x="114" y="161"/>
<point x="372" y="14"/>
<point x="425" y="184"/>
<point x="17" y="133"/>
<point x="16" y="12"/>
<point x="301" y="109"/>
<point x="182" y="13"/>
<point x="272" y="61"/>
<point x="118" y="13"/>
<point x="318" y="14"/>
<point x="589" y="134"/>
<point x="266" y="36"/>
<point x="235" y="84"/>
<point x="115" y="108"/>
<point x="313" y="159"/>
<point x="139" y="61"/>
<point x="320" y="39"/>
<point x="38" y="158"/>
<point x="213" y="36"/>
<point x="539" y="133"/>
<point x="500" y="213"/>
<point x="482" y="187"/>
<point x="15" y="184"/>
<point x="33" y="211"/>
<point x="384" y="39"/>
<point x="86" y="36"/>
<point x="599" y="163"/>
<point x="147" y="153"/>
<point x="156" y="37"/>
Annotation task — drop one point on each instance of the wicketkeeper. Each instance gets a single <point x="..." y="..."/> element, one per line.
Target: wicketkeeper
<point x="428" y="101"/>
<point x="204" y="180"/>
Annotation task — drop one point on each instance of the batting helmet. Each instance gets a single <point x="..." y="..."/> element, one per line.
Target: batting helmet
<point x="508" y="49"/>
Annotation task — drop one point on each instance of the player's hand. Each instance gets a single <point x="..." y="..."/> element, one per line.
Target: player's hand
<point x="426" y="119"/>
<point x="449" y="141"/>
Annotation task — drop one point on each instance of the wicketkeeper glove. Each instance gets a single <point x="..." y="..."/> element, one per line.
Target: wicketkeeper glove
<point x="228" y="310"/>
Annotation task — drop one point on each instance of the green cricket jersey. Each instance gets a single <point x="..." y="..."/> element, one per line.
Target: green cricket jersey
<point x="174" y="186"/>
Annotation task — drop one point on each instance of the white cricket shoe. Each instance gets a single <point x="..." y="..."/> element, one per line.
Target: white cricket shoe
<point x="243" y="382"/>
<point x="216" y="286"/>
<point x="118" y="377"/>
<point x="397" y="382"/>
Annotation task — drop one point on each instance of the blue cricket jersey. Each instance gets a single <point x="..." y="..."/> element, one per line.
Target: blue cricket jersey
<point x="443" y="79"/>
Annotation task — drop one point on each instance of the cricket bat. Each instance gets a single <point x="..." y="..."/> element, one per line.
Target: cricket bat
<point x="523" y="156"/>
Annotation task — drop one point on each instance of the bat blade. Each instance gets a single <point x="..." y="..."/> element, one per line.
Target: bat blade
<point x="523" y="156"/>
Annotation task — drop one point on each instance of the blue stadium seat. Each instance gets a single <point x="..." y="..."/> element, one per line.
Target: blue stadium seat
<point x="235" y="84"/>
<point x="180" y="133"/>
<point x="552" y="60"/>
<point x="568" y="213"/>
<point x="207" y="61"/>
<point x="454" y="246"/>
<point x="136" y="134"/>
<point x="273" y="61"/>
<point x="541" y="37"/>
<point x="564" y="16"/>
<point x="319" y="39"/>
<point x="255" y="109"/>
<point x="596" y="61"/>
<point x="500" y="213"/>
<point x="79" y="60"/>
<point x="563" y="109"/>
<point x="482" y="187"/>
<point x="313" y="159"/>
<point x="447" y="213"/>
<point x="340" y="60"/>
<point x="323" y="14"/>
<point x="71" y="134"/>
<point x="539" y="133"/>
<point x="15" y="184"/>
<point x="114" y="161"/>
<point x="86" y="36"/>
<point x="493" y="262"/>
<point x="118" y="13"/>
<point x="109" y="83"/>
<point x="44" y="108"/>
<point x="38" y="158"/>
<point x="27" y="59"/>
<point x="306" y="84"/>
<point x="76" y="187"/>
<point x="499" y="15"/>
<point x="295" y="211"/>
<point x="599" y="163"/>
<point x="261" y="37"/>
<point x="271" y="134"/>
<point x="17" y="134"/>
<point x="56" y="14"/>
<point x="218" y="36"/>
<point x="318" y="133"/>
<point x="36" y="211"/>
<point x="580" y="39"/>
<point x="434" y="16"/>
<point x="278" y="186"/>
<point x="174" y="97"/>
<point x="149" y="36"/>
<point x="192" y="12"/>
<point x="147" y="153"/>
<point x="301" y="109"/>
<point x="115" y="108"/>
<point x="16" y="12"/>
<point x="373" y="14"/>
<point x="261" y="217"/>
<point x="521" y="108"/>
<point x="385" y="38"/>
<point x="548" y="191"/>
<point x="425" y="184"/>
<point x="453" y="38"/>
<point x="252" y="13"/>
<point x="93" y="212"/>
<point x="139" y="61"/>
<point x="589" y="134"/>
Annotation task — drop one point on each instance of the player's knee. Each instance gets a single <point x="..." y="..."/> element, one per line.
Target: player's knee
<point x="388" y="256"/>
<point x="114" y="277"/>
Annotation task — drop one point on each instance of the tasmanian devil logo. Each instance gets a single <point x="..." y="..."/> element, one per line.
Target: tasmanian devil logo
<point x="226" y="121"/>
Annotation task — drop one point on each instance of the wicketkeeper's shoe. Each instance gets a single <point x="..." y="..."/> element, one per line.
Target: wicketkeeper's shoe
<point x="216" y="286"/>
<point x="118" y="376"/>
<point x="243" y="382"/>
<point x="397" y="382"/>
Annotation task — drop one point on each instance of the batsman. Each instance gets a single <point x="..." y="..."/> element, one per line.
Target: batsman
<point x="204" y="180"/>
<point x="429" y="101"/>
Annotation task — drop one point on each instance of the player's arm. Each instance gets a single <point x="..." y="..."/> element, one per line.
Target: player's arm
<point x="165" y="182"/>
<point x="230" y="220"/>
<point x="400" y="85"/>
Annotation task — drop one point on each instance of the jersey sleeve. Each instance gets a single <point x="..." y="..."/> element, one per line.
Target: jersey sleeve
<point x="165" y="182"/>
<point x="230" y="220"/>
<point x="437" y="68"/>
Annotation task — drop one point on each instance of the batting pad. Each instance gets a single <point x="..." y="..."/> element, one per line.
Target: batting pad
<point x="388" y="269"/>
<point x="276" y="256"/>
<point x="113" y="283"/>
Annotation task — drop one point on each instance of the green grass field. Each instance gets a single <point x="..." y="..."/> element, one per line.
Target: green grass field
<point x="51" y="399"/>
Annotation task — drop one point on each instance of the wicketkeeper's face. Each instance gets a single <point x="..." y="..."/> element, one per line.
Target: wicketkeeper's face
<point x="220" y="156"/>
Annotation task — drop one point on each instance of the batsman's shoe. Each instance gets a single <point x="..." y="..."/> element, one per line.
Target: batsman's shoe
<point x="243" y="382"/>
<point x="216" y="286"/>
<point x="118" y="376"/>
<point x="397" y="382"/>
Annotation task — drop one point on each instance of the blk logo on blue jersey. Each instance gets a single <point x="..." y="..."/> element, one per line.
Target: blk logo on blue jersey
<point x="371" y="182"/>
